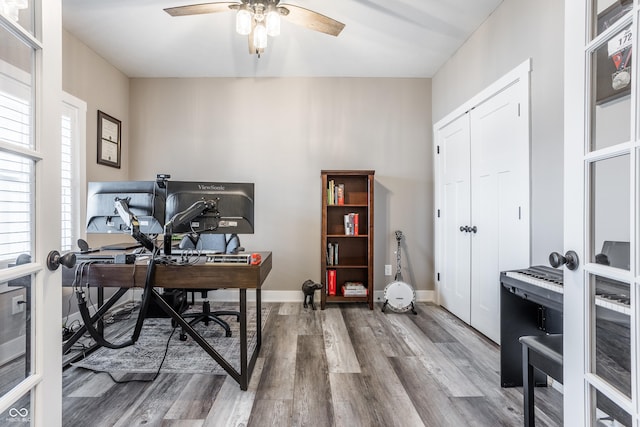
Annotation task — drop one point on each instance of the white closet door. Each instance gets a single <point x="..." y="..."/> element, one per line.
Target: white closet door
<point x="453" y="141"/>
<point x="499" y="200"/>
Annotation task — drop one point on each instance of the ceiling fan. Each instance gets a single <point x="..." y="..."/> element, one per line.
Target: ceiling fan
<point x="260" y="18"/>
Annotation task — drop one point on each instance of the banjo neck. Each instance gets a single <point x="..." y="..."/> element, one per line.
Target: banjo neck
<point x="398" y="276"/>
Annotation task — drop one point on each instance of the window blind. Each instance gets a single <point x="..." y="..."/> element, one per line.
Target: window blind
<point x="16" y="179"/>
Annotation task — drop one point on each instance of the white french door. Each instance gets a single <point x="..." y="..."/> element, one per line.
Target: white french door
<point x="30" y="110"/>
<point x="601" y="213"/>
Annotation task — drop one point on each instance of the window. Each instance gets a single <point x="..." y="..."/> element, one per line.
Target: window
<point x="73" y="142"/>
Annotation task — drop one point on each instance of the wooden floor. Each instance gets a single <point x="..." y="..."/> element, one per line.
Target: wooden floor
<point x="344" y="366"/>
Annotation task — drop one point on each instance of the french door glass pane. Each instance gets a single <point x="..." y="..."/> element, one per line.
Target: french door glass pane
<point x="15" y="333"/>
<point x="16" y="208"/>
<point x="19" y="414"/>
<point x="20" y="12"/>
<point x="607" y="413"/>
<point x="610" y="206"/>
<point x="608" y="12"/>
<point x="611" y="88"/>
<point x="612" y="327"/>
<point x="16" y="89"/>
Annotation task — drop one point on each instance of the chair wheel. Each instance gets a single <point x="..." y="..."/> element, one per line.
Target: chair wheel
<point x="183" y="337"/>
<point x="228" y="334"/>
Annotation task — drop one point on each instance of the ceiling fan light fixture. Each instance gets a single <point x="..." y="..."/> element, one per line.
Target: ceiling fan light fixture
<point x="260" y="36"/>
<point x="273" y="22"/>
<point x="243" y="22"/>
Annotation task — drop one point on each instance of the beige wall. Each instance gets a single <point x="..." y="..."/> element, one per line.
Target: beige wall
<point x="279" y="134"/>
<point x="517" y="30"/>
<point x="103" y="87"/>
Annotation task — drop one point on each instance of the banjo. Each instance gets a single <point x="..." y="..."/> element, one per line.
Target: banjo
<point x="399" y="295"/>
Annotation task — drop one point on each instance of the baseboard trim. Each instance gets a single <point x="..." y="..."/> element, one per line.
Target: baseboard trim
<point x="231" y="295"/>
<point x="271" y="296"/>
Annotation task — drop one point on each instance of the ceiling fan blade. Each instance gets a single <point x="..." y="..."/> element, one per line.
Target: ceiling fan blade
<point x="312" y="20"/>
<point x="198" y="9"/>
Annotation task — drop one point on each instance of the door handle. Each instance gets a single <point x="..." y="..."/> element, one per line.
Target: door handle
<point x="570" y="259"/>
<point x="54" y="260"/>
<point x="469" y="229"/>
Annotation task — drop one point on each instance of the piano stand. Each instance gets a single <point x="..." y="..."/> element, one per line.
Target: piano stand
<point x="544" y="353"/>
<point x="523" y="312"/>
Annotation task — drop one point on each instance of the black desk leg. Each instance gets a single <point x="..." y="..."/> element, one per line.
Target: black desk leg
<point x="527" y="389"/>
<point x="258" y="321"/>
<point x="244" y="377"/>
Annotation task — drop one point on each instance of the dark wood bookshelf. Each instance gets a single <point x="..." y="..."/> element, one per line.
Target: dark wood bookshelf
<point x="355" y="252"/>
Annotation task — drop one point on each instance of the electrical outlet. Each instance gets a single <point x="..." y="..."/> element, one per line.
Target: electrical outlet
<point x="16" y="305"/>
<point x="387" y="269"/>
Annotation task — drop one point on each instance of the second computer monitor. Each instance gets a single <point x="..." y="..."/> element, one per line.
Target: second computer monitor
<point x="231" y="212"/>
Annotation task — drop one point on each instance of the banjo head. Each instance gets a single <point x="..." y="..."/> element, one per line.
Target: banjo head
<point x="399" y="296"/>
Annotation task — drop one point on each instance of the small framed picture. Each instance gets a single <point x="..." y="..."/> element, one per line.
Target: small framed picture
<point x="109" y="140"/>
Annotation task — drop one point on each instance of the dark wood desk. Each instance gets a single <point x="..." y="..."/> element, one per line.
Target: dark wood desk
<point x="201" y="275"/>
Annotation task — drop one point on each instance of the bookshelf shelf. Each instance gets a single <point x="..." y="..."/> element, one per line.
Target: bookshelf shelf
<point x="347" y="235"/>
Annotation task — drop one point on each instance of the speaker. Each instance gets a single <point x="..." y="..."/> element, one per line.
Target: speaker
<point x="176" y="298"/>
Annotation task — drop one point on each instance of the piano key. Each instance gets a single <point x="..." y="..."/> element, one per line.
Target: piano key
<point x="611" y="301"/>
<point x="543" y="283"/>
<point x="614" y="305"/>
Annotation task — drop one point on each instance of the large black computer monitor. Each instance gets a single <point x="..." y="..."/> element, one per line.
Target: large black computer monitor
<point x="228" y="207"/>
<point x="145" y="199"/>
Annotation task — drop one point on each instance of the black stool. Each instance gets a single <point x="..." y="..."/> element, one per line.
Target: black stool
<point x="543" y="352"/>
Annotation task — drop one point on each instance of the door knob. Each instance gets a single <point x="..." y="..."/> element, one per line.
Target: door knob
<point x="570" y="259"/>
<point x="473" y="229"/>
<point x="464" y="228"/>
<point x="54" y="260"/>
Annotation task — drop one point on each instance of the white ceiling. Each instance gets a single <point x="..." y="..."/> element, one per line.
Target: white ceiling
<point x="382" y="38"/>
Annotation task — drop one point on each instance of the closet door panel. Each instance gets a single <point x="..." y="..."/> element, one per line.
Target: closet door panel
<point x="499" y="197"/>
<point x="455" y="192"/>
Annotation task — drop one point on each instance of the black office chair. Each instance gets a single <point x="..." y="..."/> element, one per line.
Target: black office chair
<point x="223" y="243"/>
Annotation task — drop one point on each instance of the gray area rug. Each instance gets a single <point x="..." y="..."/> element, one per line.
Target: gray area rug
<point x="187" y="356"/>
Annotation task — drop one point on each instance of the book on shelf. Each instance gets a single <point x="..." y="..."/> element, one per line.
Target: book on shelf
<point x="355" y="224"/>
<point x="335" y="193"/>
<point x="353" y="285"/>
<point x="354" y="289"/>
<point x="331" y="282"/>
<point x="332" y="254"/>
<point x="351" y="221"/>
<point x="340" y="194"/>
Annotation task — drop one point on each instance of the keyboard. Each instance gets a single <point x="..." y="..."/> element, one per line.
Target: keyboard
<point x="610" y="294"/>
<point x="194" y="252"/>
<point x="229" y="259"/>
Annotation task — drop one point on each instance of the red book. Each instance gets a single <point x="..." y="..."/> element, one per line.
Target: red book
<point x="355" y="224"/>
<point x="331" y="282"/>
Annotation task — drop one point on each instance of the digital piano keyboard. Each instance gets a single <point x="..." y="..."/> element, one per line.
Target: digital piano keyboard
<point x="531" y="303"/>
<point x="544" y="285"/>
